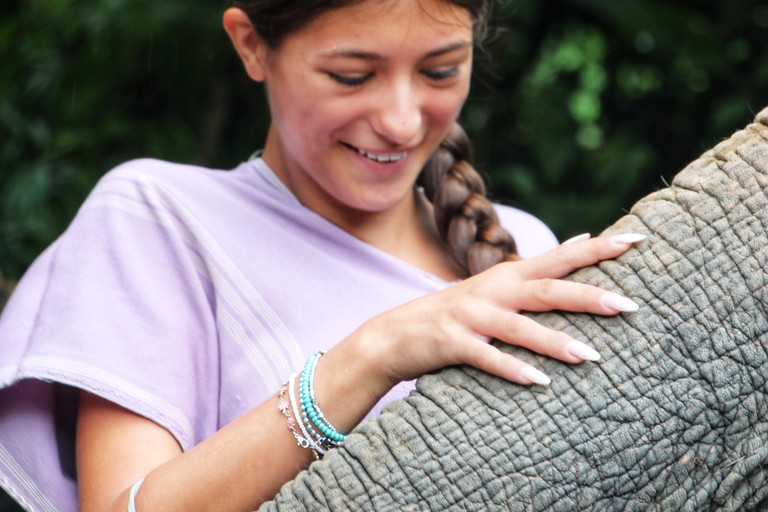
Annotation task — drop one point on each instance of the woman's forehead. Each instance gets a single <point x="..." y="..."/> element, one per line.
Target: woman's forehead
<point x="393" y="22"/>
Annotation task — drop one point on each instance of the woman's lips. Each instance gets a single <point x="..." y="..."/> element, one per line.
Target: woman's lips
<point x="383" y="163"/>
<point x="381" y="157"/>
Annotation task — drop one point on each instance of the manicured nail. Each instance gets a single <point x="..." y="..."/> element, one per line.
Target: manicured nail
<point x="582" y="351"/>
<point x="579" y="238"/>
<point x="534" y="375"/>
<point x="627" y="238"/>
<point x="616" y="301"/>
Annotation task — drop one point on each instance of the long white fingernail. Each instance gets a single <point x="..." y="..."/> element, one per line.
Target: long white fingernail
<point x="582" y="351"/>
<point x="617" y="302"/>
<point x="578" y="238"/>
<point x="628" y="238"/>
<point x="534" y="375"/>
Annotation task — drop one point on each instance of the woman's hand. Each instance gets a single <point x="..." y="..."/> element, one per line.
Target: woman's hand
<point x="454" y="326"/>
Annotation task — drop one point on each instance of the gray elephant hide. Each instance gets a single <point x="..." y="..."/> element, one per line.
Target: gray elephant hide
<point x="673" y="418"/>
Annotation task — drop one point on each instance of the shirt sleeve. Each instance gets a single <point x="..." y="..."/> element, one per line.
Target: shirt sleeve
<point x="120" y="306"/>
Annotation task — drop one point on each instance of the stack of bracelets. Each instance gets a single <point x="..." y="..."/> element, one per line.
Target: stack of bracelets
<point x="309" y="419"/>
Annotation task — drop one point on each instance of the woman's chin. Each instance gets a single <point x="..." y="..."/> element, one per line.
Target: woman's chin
<point x="379" y="201"/>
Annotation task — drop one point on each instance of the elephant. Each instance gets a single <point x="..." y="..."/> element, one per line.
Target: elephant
<point x="674" y="416"/>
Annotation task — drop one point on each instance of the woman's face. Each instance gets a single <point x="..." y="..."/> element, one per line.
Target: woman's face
<point x="361" y="97"/>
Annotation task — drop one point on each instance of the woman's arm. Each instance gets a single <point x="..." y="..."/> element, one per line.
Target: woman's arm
<point x="236" y="469"/>
<point x="247" y="461"/>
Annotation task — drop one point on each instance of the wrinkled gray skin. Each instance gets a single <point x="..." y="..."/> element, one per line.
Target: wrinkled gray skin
<point x="674" y="418"/>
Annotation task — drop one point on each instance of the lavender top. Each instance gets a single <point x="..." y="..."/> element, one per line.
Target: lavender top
<point x="188" y="296"/>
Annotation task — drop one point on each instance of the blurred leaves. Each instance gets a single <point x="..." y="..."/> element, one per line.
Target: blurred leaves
<point x="580" y="107"/>
<point x="86" y="85"/>
<point x="592" y="104"/>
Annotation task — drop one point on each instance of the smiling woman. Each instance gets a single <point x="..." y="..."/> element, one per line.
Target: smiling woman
<point x="358" y="113"/>
<point x="356" y="116"/>
<point x="160" y="334"/>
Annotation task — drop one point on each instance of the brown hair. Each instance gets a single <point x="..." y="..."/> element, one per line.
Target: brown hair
<point x="465" y="217"/>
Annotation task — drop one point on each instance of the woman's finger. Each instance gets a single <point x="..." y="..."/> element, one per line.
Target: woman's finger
<point x="577" y="238"/>
<point x="564" y="259"/>
<point x="555" y="294"/>
<point x="492" y="360"/>
<point x="525" y="332"/>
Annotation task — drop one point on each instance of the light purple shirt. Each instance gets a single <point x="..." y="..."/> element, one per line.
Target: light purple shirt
<point x="188" y="296"/>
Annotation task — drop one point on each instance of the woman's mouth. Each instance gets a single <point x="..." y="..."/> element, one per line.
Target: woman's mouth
<point x="380" y="157"/>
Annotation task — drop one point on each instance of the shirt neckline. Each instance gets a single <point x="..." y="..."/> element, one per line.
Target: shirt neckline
<point x="268" y="174"/>
<point x="273" y="180"/>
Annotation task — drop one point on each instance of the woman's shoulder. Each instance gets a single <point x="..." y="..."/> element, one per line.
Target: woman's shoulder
<point x="531" y="235"/>
<point x="173" y="186"/>
<point x="144" y="171"/>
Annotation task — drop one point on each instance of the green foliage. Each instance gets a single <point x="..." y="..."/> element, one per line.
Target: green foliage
<point x="87" y="85"/>
<point x="579" y="108"/>
<point x="595" y="103"/>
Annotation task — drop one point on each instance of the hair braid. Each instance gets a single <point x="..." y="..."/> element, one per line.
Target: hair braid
<point x="465" y="217"/>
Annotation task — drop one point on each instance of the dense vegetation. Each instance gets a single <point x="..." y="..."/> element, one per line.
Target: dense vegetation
<point x="579" y="106"/>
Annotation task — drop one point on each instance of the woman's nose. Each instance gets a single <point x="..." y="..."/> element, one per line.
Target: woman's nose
<point x="399" y="114"/>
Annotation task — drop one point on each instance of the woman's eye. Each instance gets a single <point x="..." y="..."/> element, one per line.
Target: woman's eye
<point x="351" y="80"/>
<point x="439" y="75"/>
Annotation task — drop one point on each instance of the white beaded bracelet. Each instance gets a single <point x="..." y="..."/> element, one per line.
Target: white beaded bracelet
<point x="132" y="498"/>
<point x="314" y="445"/>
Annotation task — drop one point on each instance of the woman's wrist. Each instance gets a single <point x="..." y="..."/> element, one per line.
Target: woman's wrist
<point x="349" y="380"/>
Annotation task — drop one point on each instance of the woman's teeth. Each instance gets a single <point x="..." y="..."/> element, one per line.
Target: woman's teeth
<point x="383" y="157"/>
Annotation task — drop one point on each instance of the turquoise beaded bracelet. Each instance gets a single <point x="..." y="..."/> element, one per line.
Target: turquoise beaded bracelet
<point x="310" y="410"/>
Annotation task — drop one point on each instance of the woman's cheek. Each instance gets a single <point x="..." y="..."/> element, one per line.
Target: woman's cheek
<point x="446" y="104"/>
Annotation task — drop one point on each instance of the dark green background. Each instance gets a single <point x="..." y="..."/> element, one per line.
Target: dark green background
<point x="579" y="107"/>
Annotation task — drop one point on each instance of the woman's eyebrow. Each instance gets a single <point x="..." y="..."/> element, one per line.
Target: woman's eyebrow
<point x="359" y="54"/>
<point x="353" y="54"/>
<point x="448" y="48"/>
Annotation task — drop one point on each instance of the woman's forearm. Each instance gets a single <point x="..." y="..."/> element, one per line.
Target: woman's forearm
<point x="237" y="468"/>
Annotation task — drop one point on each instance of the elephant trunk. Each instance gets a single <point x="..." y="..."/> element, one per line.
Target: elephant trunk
<point x="675" y="416"/>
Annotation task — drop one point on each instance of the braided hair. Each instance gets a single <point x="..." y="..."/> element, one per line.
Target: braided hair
<point x="465" y="218"/>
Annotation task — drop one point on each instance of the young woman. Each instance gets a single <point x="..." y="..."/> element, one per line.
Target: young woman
<point x="144" y="352"/>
